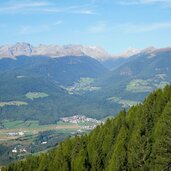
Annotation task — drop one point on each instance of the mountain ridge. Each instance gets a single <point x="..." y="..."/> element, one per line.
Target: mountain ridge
<point x="110" y="61"/>
<point x="82" y="79"/>
<point x="12" y="51"/>
<point x="23" y="48"/>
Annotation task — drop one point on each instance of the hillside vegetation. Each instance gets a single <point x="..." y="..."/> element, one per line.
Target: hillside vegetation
<point x="139" y="139"/>
<point x="44" y="89"/>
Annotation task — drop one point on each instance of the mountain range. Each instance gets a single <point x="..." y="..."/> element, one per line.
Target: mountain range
<point x="52" y="51"/>
<point x="41" y="83"/>
<point x="26" y="49"/>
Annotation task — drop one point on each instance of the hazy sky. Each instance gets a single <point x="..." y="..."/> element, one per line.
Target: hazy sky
<point x="115" y="25"/>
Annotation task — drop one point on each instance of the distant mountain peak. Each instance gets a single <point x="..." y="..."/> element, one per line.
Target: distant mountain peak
<point x="129" y="52"/>
<point x="16" y="50"/>
<point x="152" y="51"/>
<point x="12" y="51"/>
<point x="26" y="49"/>
<point x="149" y="49"/>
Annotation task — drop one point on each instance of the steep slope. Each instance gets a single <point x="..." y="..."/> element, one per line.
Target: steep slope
<point x="115" y="61"/>
<point x="65" y="70"/>
<point x="135" y="140"/>
<point x="133" y="80"/>
<point x="24" y="80"/>
<point x="81" y="83"/>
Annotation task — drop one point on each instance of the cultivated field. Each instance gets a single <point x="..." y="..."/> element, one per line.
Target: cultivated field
<point x="12" y="103"/>
<point x="31" y="127"/>
<point x="35" y="95"/>
<point x="123" y="102"/>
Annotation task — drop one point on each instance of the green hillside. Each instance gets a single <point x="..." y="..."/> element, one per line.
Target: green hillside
<point x="137" y="77"/>
<point x="137" y="140"/>
<point x="45" y="89"/>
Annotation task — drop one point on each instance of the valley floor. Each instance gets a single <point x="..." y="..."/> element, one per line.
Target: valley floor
<point x="18" y="139"/>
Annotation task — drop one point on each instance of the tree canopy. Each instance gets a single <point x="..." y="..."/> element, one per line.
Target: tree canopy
<point x="136" y="140"/>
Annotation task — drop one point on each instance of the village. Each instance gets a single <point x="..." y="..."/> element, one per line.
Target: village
<point x="79" y="119"/>
<point x="85" y="123"/>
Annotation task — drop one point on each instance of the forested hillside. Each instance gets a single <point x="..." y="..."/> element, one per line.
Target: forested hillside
<point x="45" y="89"/>
<point x="139" y="139"/>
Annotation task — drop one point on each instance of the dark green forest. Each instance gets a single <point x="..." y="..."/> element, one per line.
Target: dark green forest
<point x="136" y="140"/>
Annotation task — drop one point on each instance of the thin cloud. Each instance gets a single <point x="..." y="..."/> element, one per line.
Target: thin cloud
<point x="22" y="6"/>
<point x="84" y="11"/>
<point x="129" y="28"/>
<point x="141" y="28"/>
<point x="145" y="2"/>
<point x="69" y="9"/>
<point x="26" y="30"/>
<point x="44" y="7"/>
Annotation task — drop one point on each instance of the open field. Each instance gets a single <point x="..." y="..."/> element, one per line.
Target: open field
<point x="35" y="95"/>
<point x="123" y="102"/>
<point x="19" y="124"/>
<point x="139" y="85"/>
<point x="12" y="103"/>
<point x="19" y="139"/>
<point x="31" y="127"/>
<point x="83" y="85"/>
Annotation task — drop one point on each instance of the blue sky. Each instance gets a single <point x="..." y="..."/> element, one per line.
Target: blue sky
<point x="115" y="25"/>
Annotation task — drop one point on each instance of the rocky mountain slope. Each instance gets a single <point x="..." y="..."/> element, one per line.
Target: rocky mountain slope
<point x="52" y="51"/>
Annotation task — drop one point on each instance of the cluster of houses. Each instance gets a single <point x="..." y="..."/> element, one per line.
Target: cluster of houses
<point x="15" y="133"/>
<point x="19" y="150"/>
<point x="79" y="119"/>
<point x="90" y="123"/>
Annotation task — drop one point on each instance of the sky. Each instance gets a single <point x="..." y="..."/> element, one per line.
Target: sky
<point x="115" y="25"/>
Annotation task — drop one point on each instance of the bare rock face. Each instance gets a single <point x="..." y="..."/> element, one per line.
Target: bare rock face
<point x="12" y="51"/>
<point x="16" y="50"/>
<point x="54" y="51"/>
